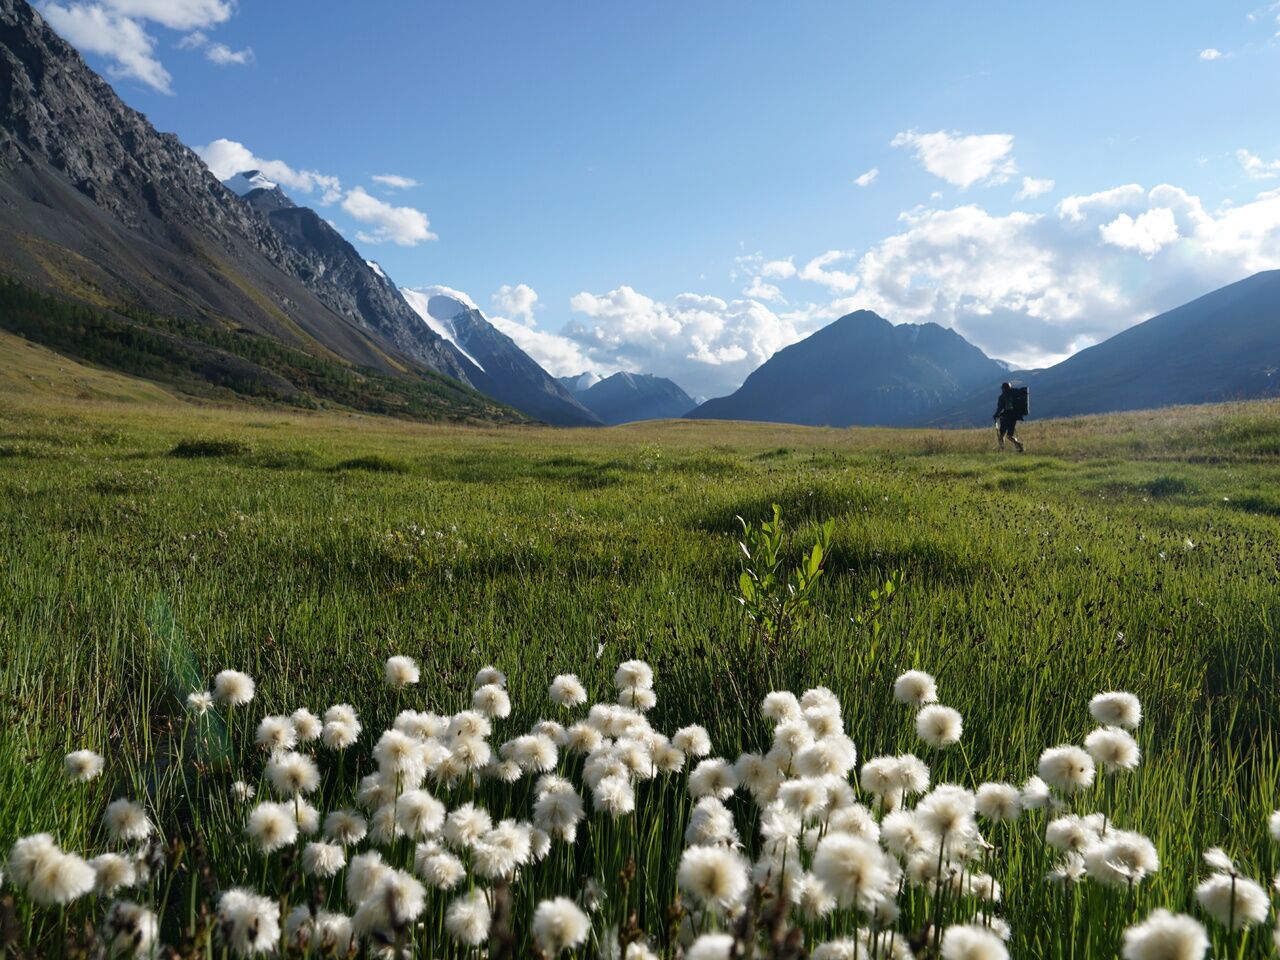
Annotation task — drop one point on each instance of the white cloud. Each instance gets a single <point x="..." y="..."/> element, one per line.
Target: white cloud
<point x="868" y="178"/>
<point x="962" y="160"/>
<point x="554" y="352"/>
<point x="226" y="158"/>
<point x="1255" y="168"/>
<point x="816" y="272"/>
<point x="1032" y="188"/>
<point x="394" y="181"/>
<point x="517" y="302"/>
<point x="1147" y="233"/>
<point x="778" y="269"/>
<point x="1211" y="53"/>
<point x="92" y="28"/>
<point x="404" y="226"/>
<point x="223" y="55"/>
<point x="706" y="344"/>
<point x="116" y="29"/>
<point x="1075" y="208"/>
<point x="176" y="14"/>
<point x="761" y="289"/>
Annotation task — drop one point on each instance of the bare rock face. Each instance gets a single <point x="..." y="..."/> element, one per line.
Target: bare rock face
<point x="97" y="205"/>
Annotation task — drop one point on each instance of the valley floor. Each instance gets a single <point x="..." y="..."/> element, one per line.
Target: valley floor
<point x="147" y="543"/>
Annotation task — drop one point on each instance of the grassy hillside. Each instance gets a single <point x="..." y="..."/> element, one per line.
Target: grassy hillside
<point x="205" y="360"/>
<point x="146" y="546"/>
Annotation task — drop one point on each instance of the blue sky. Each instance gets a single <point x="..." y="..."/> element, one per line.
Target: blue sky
<point x="678" y="182"/>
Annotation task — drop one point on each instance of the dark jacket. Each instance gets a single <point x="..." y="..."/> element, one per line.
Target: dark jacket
<point x="1004" y="405"/>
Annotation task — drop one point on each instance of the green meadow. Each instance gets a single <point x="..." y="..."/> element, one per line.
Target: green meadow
<point x="146" y="544"/>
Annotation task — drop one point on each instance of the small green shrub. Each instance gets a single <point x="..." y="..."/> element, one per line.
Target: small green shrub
<point x="209" y="447"/>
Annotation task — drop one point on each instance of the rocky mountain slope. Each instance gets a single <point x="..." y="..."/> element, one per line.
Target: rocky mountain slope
<point x="500" y="368"/>
<point x="98" y="206"/>
<point x="860" y="369"/>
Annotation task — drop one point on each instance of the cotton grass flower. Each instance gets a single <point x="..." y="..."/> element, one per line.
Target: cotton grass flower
<point x="248" y="923"/>
<point x="400" y="671"/>
<point x="468" y="917"/>
<point x="323" y="859"/>
<point x="395" y="901"/>
<point x="559" y="925"/>
<point x="130" y="930"/>
<point x="915" y="688"/>
<point x="491" y="701"/>
<point x="231" y="688"/>
<point x="419" y="814"/>
<point x="272" y="826"/>
<point x="292" y="774"/>
<point x="1235" y="902"/>
<point x="1116" y="709"/>
<point x="336" y="735"/>
<point x="363" y="874"/>
<point x="972" y="942"/>
<point x="276" y="733"/>
<point x="320" y="933"/>
<point x="126" y="822"/>
<point x="465" y="825"/>
<point x="81" y="766"/>
<point x="633" y="673"/>
<point x="1036" y="795"/>
<point x="243" y="792"/>
<point x="714" y="877"/>
<point x="1066" y="768"/>
<point x="345" y="827"/>
<point x="692" y="740"/>
<point x="938" y="726"/>
<point x="998" y="802"/>
<point x="1113" y="749"/>
<point x="306" y="725"/>
<point x="855" y="871"/>
<point x="713" y="778"/>
<point x="200" y="702"/>
<point x="1121" y="859"/>
<point x="567" y="691"/>
<point x="1273" y="825"/>
<point x="1165" y="936"/>
<point x="440" y="869"/>
<point x="112" y="872"/>
<point x="781" y="706"/>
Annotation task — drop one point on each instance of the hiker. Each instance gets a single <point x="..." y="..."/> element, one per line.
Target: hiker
<point x="1008" y="412"/>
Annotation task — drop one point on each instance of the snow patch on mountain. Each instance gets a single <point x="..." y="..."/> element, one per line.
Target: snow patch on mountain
<point x="247" y="181"/>
<point x="581" y="382"/>
<point x="373" y="265"/>
<point x="437" y="306"/>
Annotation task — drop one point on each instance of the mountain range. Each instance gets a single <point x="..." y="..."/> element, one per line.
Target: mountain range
<point x="119" y="247"/>
<point x="628" y="397"/>
<point x="861" y="369"/>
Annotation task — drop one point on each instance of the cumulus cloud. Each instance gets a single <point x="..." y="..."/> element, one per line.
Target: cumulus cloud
<point x="394" y="181"/>
<point x="816" y="271"/>
<point x="1147" y="233"/>
<point x="1211" y="53"/>
<point x="868" y="178"/>
<point x="1032" y="188"/>
<point x="1075" y="208"/>
<point x="1255" y="168"/>
<point x="115" y="29"/>
<point x="403" y="226"/>
<point x="960" y="159"/>
<point x="516" y="302"/>
<point x="555" y="353"/>
<point x="226" y="158"/>
<point x="92" y="28"/>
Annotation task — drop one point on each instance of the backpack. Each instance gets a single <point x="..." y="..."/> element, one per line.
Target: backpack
<point x="1020" y="402"/>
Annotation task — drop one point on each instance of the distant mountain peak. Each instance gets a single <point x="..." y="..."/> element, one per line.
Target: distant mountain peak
<point x="247" y="181"/>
